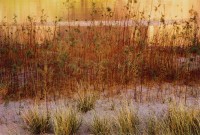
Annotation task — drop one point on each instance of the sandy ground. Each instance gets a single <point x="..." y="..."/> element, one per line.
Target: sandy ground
<point x="11" y="122"/>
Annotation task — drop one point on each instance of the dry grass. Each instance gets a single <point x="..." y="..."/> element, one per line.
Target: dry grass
<point x="152" y="125"/>
<point x="66" y="121"/>
<point x="183" y="120"/>
<point x="34" y="59"/>
<point x="41" y="61"/>
<point x="101" y="126"/>
<point x="86" y="101"/>
<point x="127" y="120"/>
<point x="179" y="120"/>
<point x="37" y="122"/>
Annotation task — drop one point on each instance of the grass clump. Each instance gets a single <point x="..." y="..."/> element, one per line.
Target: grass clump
<point x="152" y="126"/>
<point x="66" y="122"/>
<point x="127" y="121"/>
<point x="179" y="120"/>
<point x="100" y="126"/>
<point x="86" y="101"/>
<point x="183" y="121"/>
<point x="37" y="122"/>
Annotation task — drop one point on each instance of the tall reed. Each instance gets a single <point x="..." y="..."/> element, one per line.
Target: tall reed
<point x="38" y="60"/>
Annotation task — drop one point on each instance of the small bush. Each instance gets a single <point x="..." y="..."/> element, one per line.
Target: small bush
<point x="86" y="101"/>
<point x="37" y="122"/>
<point x="100" y="126"/>
<point x="66" y="122"/>
<point x="127" y="121"/>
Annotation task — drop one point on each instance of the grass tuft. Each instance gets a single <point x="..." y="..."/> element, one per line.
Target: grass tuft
<point x="152" y="125"/>
<point x="127" y="120"/>
<point x="66" y="121"/>
<point x="183" y="121"/>
<point x="179" y="120"/>
<point x="100" y="126"/>
<point x="37" y="122"/>
<point x="86" y="101"/>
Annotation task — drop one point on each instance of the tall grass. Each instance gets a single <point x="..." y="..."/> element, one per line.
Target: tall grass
<point x="37" y="60"/>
